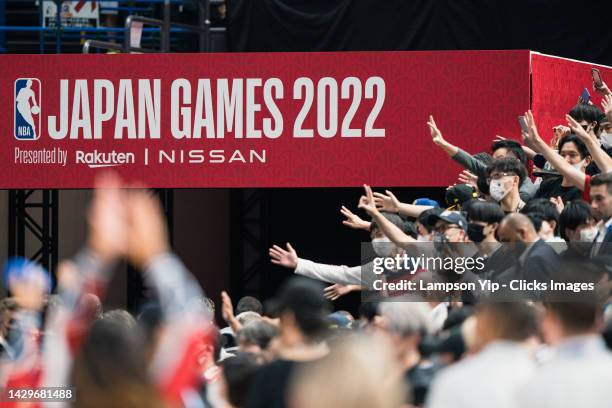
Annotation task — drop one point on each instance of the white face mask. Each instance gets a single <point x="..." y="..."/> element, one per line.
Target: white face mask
<point x="588" y="234"/>
<point x="497" y="190"/>
<point x="578" y="166"/>
<point x="382" y="246"/>
<point x="606" y="139"/>
<point x="423" y="238"/>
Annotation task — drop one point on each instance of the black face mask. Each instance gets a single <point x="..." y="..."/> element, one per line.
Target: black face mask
<point x="475" y="232"/>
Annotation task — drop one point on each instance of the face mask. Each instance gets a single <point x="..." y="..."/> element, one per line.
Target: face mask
<point x="423" y="238"/>
<point x="382" y="246"/>
<point x="578" y="166"/>
<point x="497" y="190"/>
<point x="440" y="242"/>
<point x="606" y="139"/>
<point x="588" y="234"/>
<point x="475" y="232"/>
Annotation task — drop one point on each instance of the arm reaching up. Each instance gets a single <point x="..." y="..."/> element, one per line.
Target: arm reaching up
<point x="391" y="231"/>
<point x="388" y="202"/>
<point x="227" y="312"/>
<point x="353" y="220"/>
<point x="533" y="140"/>
<point x="438" y="139"/>
<point x="603" y="161"/>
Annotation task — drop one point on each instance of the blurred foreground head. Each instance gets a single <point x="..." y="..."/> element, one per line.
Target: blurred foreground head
<point x="111" y="370"/>
<point x="358" y="373"/>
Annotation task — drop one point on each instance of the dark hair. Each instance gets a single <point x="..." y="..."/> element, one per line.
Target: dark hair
<point x="536" y="219"/>
<point x="111" y="369"/>
<point x="121" y="317"/>
<point x="575" y="317"/>
<point x="512" y="146"/>
<point x="410" y="228"/>
<point x="482" y="184"/>
<point x="218" y="342"/>
<point x="590" y="113"/>
<point x="239" y="373"/>
<point x="508" y="165"/>
<point x="393" y="218"/>
<point x="424" y="217"/>
<point x="249" y="304"/>
<point x="582" y="149"/>
<point x="516" y="321"/>
<point x="368" y="310"/>
<point x="545" y="209"/>
<point x="484" y="211"/>
<point x="575" y="214"/>
<point x="259" y="332"/>
<point x="601" y="179"/>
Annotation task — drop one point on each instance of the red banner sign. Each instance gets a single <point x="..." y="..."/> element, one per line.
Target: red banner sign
<point x="252" y="120"/>
<point x="556" y="85"/>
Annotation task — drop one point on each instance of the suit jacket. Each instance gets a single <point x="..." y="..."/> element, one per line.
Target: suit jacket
<point x="540" y="262"/>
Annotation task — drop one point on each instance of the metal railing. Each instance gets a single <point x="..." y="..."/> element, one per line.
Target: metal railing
<point x="164" y="27"/>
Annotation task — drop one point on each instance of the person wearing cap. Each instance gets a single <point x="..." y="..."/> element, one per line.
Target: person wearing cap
<point x="458" y="195"/>
<point x="303" y="311"/>
<point x="500" y="369"/>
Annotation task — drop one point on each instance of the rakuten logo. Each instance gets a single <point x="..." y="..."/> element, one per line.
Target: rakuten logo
<point x="98" y="159"/>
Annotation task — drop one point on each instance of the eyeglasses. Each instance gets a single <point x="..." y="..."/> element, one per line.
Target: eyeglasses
<point x="498" y="176"/>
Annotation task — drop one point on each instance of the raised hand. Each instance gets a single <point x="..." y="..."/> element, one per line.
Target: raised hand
<point x="287" y="258"/>
<point x="578" y="130"/>
<point x="532" y="138"/>
<point x="107" y="218"/>
<point x="366" y="202"/>
<point x="353" y="220"/>
<point x="558" y="202"/>
<point x="147" y="235"/>
<point x="559" y="132"/>
<point x="603" y="90"/>
<point x="467" y="177"/>
<point x="227" y="309"/>
<point x="436" y="135"/>
<point x="334" y="292"/>
<point x="386" y="202"/>
<point x="606" y="103"/>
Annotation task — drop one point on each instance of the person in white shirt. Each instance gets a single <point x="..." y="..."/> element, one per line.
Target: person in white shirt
<point x="580" y="373"/>
<point x="342" y="274"/>
<point x="502" y="365"/>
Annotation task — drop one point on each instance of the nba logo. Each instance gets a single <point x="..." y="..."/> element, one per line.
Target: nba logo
<point x="27" y="109"/>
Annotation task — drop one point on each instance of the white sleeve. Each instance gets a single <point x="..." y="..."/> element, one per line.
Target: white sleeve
<point x="329" y="273"/>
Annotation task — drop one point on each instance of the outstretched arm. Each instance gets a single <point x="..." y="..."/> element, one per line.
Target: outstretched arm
<point x="603" y="161"/>
<point x="388" y="202"/>
<point x="341" y="274"/>
<point x="396" y="235"/>
<point x="533" y="140"/>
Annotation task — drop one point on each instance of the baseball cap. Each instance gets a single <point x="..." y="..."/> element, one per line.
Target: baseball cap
<point x="451" y="217"/>
<point x="426" y="201"/>
<point x="459" y="194"/>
